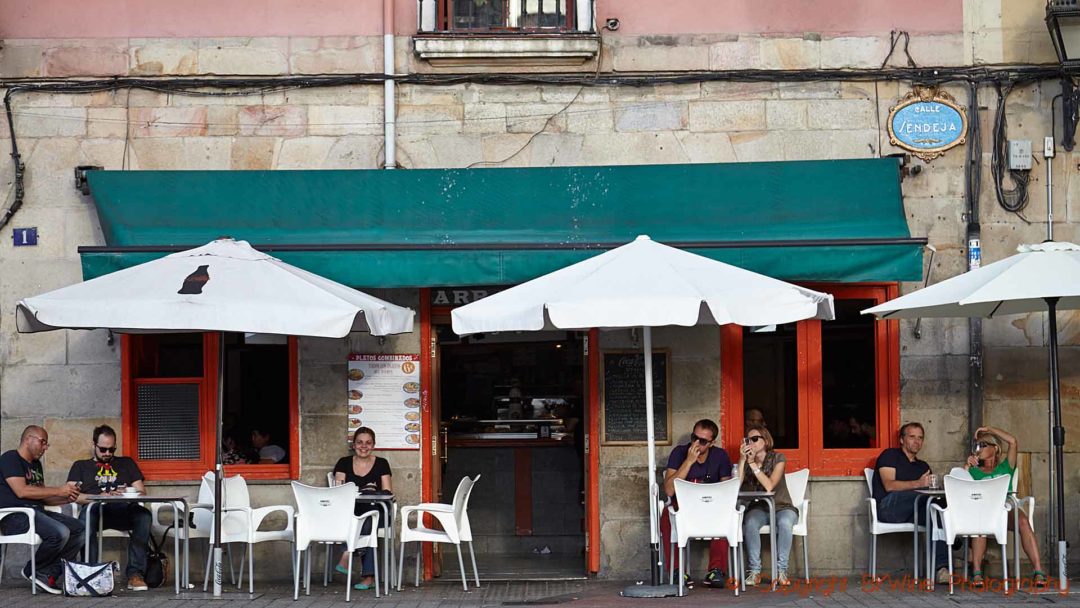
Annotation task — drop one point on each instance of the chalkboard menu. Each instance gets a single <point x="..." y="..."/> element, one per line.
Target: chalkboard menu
<point x="624" y="398"/>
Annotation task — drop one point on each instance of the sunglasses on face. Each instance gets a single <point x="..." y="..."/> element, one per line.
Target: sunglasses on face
<point x="755" y="438"/>
<point x="111" y="450"/>
<point x="43" y="442"/>
<point x="982" y="444"/>
<point x="695" y="439"/>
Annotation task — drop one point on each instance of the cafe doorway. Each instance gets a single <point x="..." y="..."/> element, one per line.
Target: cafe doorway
<point x="512" y="408"/>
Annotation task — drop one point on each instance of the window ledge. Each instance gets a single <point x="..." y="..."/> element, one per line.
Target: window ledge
<point x="531" y="50"/>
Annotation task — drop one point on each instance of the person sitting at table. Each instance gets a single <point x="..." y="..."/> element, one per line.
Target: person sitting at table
<point x="371" y="474"/>
<point x="898" y="472"/>
<point x="269" y="453"/>
<point x="698" y="461"/>
<point x="109" y="473"/>
<point x="994" y="455"/>
<point x="762" y="470"/>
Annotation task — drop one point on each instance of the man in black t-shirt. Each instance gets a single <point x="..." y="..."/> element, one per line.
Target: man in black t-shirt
<point x="897" y="474"/>
<point x="22" y="484"/>
<point x="107" y="473"/>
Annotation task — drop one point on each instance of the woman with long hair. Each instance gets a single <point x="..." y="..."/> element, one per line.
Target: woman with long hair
<point x="762" y="469"/>
<point x="994" y="455"/>
<point x="370" y="473"/>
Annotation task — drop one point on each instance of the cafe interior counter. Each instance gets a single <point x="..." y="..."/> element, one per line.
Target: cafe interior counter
<point x="539" y="432"/>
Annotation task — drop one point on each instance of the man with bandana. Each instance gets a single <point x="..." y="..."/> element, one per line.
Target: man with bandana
<point x="108" y="473"/>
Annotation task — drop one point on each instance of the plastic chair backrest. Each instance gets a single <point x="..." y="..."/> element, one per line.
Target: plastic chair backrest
<point x="706" y="510"/>
<point x="869" y="474"/>
<point x="462" y="519"/>
<point x="330" y="479"/>
<point x="796" y="486"/>
<point x="960" y="473"/>
<point x="976" y="506"/>
<point x="323" y="514"/>
<point x="235" y="493"/>
<point x="202" y="519"/>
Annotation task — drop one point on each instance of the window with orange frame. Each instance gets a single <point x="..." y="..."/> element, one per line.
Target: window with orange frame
<point x="169" y="404"/>
<point x="828" y="391"/>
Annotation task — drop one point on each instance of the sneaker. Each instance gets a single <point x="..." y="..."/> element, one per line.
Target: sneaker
<point x="715" y="578"/>
<point x="753" y="579"/>
<point x="782" y="579"/>
<point x="137" y="583"/>
<point x="687" y="581"/>
<point x="942" y="577"/>
<point x="46" y="583"/>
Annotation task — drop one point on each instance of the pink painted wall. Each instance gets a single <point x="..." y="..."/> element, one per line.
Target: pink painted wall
<point x="221" y="18"/>
<point x="826" y="17"/>
<point x="198" y="18"/>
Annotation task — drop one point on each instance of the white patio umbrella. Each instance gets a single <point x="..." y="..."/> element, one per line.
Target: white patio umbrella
<point x="223" y="286"/>
<point x="1043" y="277"/>
<point x="643" y="284"/>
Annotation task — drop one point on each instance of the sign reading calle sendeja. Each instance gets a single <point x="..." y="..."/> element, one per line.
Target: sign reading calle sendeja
<point x="927" y="122"/>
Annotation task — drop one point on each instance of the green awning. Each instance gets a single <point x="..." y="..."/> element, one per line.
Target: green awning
<point x="837" y="220"/>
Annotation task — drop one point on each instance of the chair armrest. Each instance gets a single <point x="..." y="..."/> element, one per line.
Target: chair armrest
<point x="432" y="507"/>
<point x="873" y="509"/>
<point x="27" y="511"/>
<point x="804" y="512"/>
<point x="359" y="539"/>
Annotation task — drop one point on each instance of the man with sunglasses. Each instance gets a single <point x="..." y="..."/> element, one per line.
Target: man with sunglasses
<point x="22" y="484"/>
<point x="107" y="473"/>
<point x="699" y="462"/>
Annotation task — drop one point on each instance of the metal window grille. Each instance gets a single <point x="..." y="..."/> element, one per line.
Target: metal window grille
<point x="509" y="14"/>
<point x="168" y="421"/>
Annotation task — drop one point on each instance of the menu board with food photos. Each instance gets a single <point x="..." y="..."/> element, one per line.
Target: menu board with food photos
<point x="384" y="395"/>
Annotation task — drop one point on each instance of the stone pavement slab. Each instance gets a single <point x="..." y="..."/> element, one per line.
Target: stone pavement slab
<point x="828" y="592"/>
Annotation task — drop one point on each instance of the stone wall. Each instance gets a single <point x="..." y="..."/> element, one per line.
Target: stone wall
<point x="69" y="381"/>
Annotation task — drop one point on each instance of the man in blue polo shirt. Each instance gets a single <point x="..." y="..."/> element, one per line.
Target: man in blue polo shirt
<point x="700" y="462"/>
<point x="897" y="474"/>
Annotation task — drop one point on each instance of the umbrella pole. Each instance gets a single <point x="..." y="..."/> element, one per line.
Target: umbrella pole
<point x="1058" y="438"/>
<point x="654" y="542"/>
<point x="219" y="470"/>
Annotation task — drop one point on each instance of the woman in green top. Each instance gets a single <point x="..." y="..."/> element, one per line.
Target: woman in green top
<point x="995" y="455"/>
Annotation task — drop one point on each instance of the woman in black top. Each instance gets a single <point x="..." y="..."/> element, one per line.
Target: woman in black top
<point x="371" y="474"/>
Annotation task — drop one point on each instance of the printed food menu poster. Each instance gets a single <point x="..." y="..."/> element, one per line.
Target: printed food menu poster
<point x="384" y="395"/>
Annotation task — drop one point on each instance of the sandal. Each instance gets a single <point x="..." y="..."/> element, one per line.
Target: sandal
<point x="977" y="579"/>
<point x="1040" y="579"/>
<point x="341" y="569"/>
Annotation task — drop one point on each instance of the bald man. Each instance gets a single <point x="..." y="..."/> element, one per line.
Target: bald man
<point x="22" y="484"/>
<point x="754" y="417"/>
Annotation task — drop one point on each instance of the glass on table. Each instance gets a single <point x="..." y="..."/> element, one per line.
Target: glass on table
<point x="933" y="481"/>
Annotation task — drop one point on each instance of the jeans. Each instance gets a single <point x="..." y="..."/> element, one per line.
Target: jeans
<point x="753" y="520"/>
<point x="899" y="507"/>
<point x="367" y="556"/>
<point x="128" y="516"/>
<point x="62" y="537"/>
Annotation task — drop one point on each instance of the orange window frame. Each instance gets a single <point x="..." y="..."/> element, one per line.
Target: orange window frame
<point x="811" y="452"/>
<point x="180" y="470"/>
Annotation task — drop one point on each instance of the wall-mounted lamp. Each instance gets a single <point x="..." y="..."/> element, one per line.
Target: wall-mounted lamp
<point x="1063" y="22"/>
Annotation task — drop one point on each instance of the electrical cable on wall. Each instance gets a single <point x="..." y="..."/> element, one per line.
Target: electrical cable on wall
<point x="1014" y="199"/>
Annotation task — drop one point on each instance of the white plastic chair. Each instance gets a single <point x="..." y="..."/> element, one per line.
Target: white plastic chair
<point x="709" y="511"/>
<point x="877" y="528"/>
<point x="29" y="537"/>
<point x="325" y="515"/>
<point x="796" y="486"/>
<point x="240" y="523"/>
<point x="454" y="519"/>
<point x="384" y="532"/>
<point x="975" y="508"/>
<point x="1027" y="509"/>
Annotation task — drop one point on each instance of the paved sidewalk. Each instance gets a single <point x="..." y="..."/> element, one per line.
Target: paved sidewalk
<point x="830" y="592"/>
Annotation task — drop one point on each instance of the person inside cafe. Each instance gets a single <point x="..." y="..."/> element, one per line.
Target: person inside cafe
<point x="994" y="455"/>
<point x="22" y="484"/>
<point x="700" y="462"/>
<point x="754" y="417"/>
<point x="269" y="452"/>
<point x="108" y="473"/>
<point x="761" y="469"/>
<point x="898" y="472"/>
<point x="371" y="474"/>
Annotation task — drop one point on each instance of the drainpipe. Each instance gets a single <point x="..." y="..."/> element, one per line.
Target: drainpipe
<point x="973" y="170"/>
<point x="389" y="99"/>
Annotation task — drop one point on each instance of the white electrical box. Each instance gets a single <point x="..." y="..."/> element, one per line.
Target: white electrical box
<point x="1020" y="154"/>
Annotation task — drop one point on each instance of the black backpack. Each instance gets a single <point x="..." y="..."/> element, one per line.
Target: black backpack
<point x="157" y="563"/>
